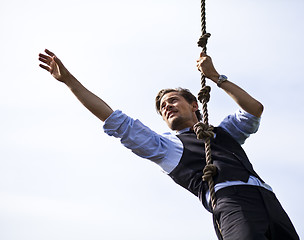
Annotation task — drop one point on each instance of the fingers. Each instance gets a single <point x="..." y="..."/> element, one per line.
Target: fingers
<point x="202" y="58"/>
<point x="44" y="56"/>
<point x="45" y="67"/>
<point x="202" y="54"/>
<point x="49" y="52"/>
<point x="46" y="59"/>
<point x="53" y="57"/>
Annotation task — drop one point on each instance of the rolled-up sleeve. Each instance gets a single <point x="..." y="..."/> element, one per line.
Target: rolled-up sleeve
<point x="144" y="142"/>
<point x="241" y="125"/>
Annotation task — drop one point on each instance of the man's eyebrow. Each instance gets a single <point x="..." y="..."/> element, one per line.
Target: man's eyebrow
<point x="169" y="98"/>
<point x="173" y="97"/>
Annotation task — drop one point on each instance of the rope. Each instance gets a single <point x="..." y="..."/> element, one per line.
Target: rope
<point x="203" y="130"/>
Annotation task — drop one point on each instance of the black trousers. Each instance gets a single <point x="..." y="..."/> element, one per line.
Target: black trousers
<point x="251" y="213"/>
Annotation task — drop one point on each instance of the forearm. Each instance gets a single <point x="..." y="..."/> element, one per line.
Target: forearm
<point x="92" y="102"/>
<point x="55" y="67"/>
<point x="241" y="97"/>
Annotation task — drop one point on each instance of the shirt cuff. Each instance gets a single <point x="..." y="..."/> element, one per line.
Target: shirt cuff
<point x="113" y="122"/>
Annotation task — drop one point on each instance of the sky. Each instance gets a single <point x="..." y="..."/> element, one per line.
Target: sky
<point x="62" y="177"/>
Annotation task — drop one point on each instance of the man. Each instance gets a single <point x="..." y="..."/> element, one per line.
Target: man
<point x="246" y="207"/>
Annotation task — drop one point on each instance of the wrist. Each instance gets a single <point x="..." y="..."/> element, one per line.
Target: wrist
<point x="221" y="79"/>
<point x="215" y="77"/>
<point x="69" y="80"/>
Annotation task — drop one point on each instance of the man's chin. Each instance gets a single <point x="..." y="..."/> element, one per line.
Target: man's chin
<point x="174" y="123"/>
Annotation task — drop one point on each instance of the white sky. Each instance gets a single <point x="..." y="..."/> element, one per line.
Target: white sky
<point x="61" y="177"/>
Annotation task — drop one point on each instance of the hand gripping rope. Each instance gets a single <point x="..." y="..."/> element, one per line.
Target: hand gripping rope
<point x="203" y="130"/>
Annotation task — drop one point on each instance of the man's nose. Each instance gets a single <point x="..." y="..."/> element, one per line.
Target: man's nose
<point x="169" y="106"/>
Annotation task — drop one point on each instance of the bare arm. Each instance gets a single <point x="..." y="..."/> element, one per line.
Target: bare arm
<point x="241" y="97"/>
<point x="92" y="102"/>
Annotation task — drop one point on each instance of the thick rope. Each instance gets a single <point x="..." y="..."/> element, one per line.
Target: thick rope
<point x="203" y="130"/>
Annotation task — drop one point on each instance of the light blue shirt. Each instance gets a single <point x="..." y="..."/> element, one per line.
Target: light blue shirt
<point x="166" y="149"/>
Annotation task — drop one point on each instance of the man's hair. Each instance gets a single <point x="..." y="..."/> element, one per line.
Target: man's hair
<point x="185" y="93"/>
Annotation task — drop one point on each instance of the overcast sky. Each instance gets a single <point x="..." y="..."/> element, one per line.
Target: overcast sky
<point x="62" y="178"/>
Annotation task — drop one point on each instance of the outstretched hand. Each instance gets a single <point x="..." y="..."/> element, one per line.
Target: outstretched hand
<point x="205" y="66"/>
<point x="53" y="65"/>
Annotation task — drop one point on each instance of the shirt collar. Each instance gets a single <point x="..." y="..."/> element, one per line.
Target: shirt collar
<point x="183" y="130"/>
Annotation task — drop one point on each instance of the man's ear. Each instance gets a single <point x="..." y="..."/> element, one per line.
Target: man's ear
<point x="194" y="106"/>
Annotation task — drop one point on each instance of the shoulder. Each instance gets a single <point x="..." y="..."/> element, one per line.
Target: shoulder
<point x="240" y="125"/>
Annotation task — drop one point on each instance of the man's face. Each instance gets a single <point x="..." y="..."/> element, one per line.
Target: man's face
<point x="177" y="112"/>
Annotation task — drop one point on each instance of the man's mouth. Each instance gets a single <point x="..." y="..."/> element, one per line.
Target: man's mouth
<point x="170" y="114"/>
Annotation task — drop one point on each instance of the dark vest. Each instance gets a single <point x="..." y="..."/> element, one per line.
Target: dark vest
<point x="227" y="154"/>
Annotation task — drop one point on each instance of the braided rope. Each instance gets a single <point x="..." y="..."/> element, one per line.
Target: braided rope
<point x="203" y="130"/>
